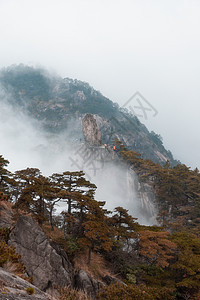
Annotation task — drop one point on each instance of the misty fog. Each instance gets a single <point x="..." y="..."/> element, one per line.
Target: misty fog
<point x="25" y="144"/>
<point x="119" y="47"/>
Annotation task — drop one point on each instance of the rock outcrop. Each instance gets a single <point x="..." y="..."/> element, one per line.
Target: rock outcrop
<point x="12" y="287"/>
<point x="57" y="101"/>
<point x="45" y="262"/>
<point x="91" y="132"/>
<point x="147" y="205"/>
<point x="84" y="282"/>
<point x="6" y="215"/>
<point x="47" y="265"/>
<point x="110" y="280"/>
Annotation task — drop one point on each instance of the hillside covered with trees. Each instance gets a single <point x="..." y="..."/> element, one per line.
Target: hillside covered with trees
<point x="56" y="103"/>
<point x="151" y="262"/>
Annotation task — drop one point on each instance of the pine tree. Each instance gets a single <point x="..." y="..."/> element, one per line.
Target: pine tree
<point x="156" y="247"/>
<point x="4" y="175"/>
<point x="96" y="231"/>
<point x="71" y="184"/>
<point x="124" y="225"/>
<point x="36" y="194"/>
<point x="186" y="269"/>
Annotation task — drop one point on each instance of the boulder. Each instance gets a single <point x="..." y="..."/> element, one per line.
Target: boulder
<point x="12" y="287"/>
<point x="47" y="265"/>
<point x="84" y="282"/>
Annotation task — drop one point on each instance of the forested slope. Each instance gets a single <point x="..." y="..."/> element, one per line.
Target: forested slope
<point x="155" y="262"/>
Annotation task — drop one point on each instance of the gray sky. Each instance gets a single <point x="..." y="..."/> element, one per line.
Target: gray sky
<point x="119" y="47"/>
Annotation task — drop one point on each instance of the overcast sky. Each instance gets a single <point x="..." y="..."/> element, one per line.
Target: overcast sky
<point x="119" y="47"/>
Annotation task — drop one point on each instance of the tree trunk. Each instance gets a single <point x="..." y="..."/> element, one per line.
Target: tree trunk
<point x="51" y="218"/>
<point x="69" y="206"/>
<point x="89" y="255"/>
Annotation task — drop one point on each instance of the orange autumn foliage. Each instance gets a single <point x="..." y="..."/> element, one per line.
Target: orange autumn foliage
<point x="156" y="247"/>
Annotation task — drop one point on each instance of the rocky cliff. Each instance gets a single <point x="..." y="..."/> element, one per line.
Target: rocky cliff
<point x="91" y="131"/>
<point x="12" y="287"/>
<point x="58" y="103"/>
<point x="45" y="262"/>
<point x="121" y="182"/>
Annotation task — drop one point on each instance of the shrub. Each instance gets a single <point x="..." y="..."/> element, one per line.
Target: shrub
<point x="8" y="254"/>
<point x="30" y="290"/>
<point x="139" y="292"/>
<point x="71" y="294"/>
<point x="4" y="234"/>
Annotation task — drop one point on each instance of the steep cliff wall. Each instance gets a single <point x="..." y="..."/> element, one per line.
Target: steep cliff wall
<point x="56" y="102"/>
<point x="12" y="287"/>
<point x="91" y="132"/>
<point x="145" y="197"/>
<point x="117" y="183"/>
<point x="42" y="261"/>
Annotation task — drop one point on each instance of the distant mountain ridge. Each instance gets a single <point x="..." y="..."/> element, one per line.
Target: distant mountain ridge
<point x="55" y="102"/>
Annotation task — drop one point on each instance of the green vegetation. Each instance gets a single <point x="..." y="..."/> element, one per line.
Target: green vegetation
<point x="71" y="294"/>
<point x="155" y="262"/>
<point x="55" y="101"/>
<point x="177" y="189"/>
<point x="139" y="292"/>
<point x="8" y="254"/>
<point x="26" y="81"/>
<point x="30" y="290"/>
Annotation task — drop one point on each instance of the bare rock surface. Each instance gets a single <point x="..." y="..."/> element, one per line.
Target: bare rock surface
<point x="91" y="132"/>
<point x="44" y="263"/>
<point x="84" y="282"/>
<point x="13" y="287"/>
<point x="6" y="215"/>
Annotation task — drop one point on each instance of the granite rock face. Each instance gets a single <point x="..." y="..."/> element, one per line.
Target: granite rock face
<point x="91" y="286"/>
<point x="47" y="265"/>
<point x="84" y="282"/>
<point x="6" y="215"/>
<point x="91" y="132"/>
<point x="13" y="287"/>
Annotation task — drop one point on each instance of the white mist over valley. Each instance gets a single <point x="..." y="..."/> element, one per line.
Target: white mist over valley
<point x="99" y="150"/>
<point x="26" y="145"/>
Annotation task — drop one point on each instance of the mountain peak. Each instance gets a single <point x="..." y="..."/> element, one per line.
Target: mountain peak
<point x="55" y="101"/>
